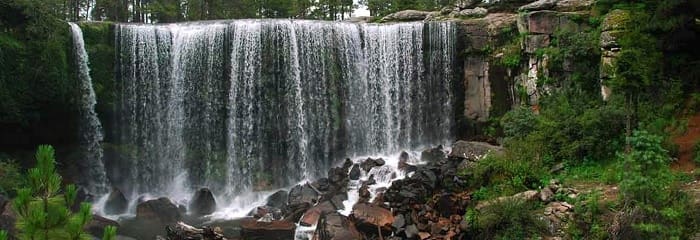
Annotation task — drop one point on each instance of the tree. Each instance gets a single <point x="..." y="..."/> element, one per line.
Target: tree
<point x="43" y="209"/>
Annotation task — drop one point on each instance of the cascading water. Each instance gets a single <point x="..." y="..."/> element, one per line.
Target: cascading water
<point x="95" y="181"/>
<point x="249" y="105"/>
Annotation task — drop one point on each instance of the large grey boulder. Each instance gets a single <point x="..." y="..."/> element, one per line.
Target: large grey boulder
<point x="116" y="203"/>
<point x="203" y="203"/>
<point x="539" y="5"/>
<point x="472" y="13"/>
<point x="406" y="15"/>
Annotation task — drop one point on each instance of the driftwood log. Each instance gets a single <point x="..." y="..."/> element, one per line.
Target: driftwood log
<point x="182" y="231"/>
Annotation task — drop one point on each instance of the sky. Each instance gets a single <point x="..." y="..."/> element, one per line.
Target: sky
<point x="361" y="11"/>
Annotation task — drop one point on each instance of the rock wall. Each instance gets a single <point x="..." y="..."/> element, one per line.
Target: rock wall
<point x="504" y="65"/>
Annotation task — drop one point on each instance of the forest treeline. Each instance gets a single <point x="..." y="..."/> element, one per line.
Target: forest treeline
<point x="162" y="11"/>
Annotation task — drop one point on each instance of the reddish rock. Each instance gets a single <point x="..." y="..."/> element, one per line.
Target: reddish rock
<point x="543" y="22"/>
<point x="312" y="215"/>
<point x="368" y="217"/>
<point x="333" y="226"/>
<point x="275" y="230"/>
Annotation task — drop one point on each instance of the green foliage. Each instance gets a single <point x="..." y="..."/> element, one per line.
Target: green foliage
<point x="110" y="233"/>
<point x="587" y="223"/>
<point x="3" y="235"/>
<point x="10" y="176"/>
<point x="696" y="152"/>
<point x="505" y="219"/>
<point x="647" y="173"/>
<point x="43" y="209"/>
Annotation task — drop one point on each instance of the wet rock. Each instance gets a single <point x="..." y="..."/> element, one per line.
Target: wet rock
<point x="274" y="230"/>
<point x="294" y="213"/>
<point x="370" y="180"/>
<point x="161" y="209"/>
<point x="472" y="150"/>
<point x="334" y="226"/>
<point x="448" y="204"/>
<point x="322" y="184"/>
<point x="433" y="155"/>
<point x="301" y="194"/>
<point x="423" y="235"/>
<point x="364" y="193"/>
<point x="370" y="163"/>
<point x="278" y="199"/>
<point x="369" y="218"/>
<point x="116" y="203"/>
<point x="411" y="231"/>
<point x="399" y="222"/>
<point x="262" y="211"/>
<point x="203" y="203"/>
<point x="97" y="225"/>
<point x="355" y="172"/>
<point x="406" y="15"/>
<point x="312" y="215"/>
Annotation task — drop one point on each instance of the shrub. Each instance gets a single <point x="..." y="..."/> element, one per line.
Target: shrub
<point x="42" y="210"/>
<point x="10" y="177"/>
<point x="696" y="152"/>
<point x="508" y="219"/>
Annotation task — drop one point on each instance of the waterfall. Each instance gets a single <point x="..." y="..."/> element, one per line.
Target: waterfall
<point x="250" y="105"/>
<point x="95" y="181"/>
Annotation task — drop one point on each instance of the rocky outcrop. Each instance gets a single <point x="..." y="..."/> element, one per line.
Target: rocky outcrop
<point x="615" y="24"/>
<point x="406" y="15"/>
<point x="116" y="203"/>
<point x="312" y="215"/>
<point x="202" y="203"/>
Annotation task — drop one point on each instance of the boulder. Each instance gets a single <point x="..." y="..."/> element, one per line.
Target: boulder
<point x="370" y="163"/>
<point x="539" y="5"/>
<point x="472" y="150"/>
<point x="334" y="226"/>
<point x="116" y="203"/>
<point x="411" y="231"/>
<point x="355" y="172"/>
<point x="399" y="222"/>
<point x="203" y="203"/>
<point x="278" y="199"/>
<point x="97" y="225"/>
<point x="573" y="5"/>
<point x="403" y="163"/>
<point x="312" y="215"/>
<point x="448" y="204"/>
<point x="546" y="194"/>
<point x="161" y="209"/>
<point x="433" y="155"/>
<point x="274" y="230"/>
<point x="369" y="218"/>
<point x="262" y="211"/>
<point x="406" y="15"/>
<point x="301" y="194"/>
<point x="472" y="13"/>
<point x="542" y="22"/>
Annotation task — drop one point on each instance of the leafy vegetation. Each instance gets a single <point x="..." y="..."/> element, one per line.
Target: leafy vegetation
<point x="10" y="176"/>
<point x="507" y="219"/>
<point x="43" y="208"/>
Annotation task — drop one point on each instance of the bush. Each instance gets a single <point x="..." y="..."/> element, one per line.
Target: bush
<point x="43" y="208"/>
<point x="10" y="177"/>
<point x="508" y="219"/>
<point x="696" y="152"/>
